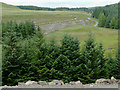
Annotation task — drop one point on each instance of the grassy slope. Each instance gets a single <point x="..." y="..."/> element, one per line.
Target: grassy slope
<point x="108" y="37"/>
<point x="6" y="6"/>
<point x="40" y="17"/>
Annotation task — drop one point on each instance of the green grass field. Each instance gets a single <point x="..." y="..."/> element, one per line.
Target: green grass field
<point x="108" y="37"/>
<point x="40" y="17"/>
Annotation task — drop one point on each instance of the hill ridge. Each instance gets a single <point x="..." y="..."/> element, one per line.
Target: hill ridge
<point x="8" y="6"/>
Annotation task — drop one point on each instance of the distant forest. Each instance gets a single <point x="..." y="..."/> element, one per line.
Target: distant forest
<point x="107" y="16"/>
<point x="55" y="9"/>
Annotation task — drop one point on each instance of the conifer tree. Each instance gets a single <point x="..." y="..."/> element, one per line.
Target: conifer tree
<point x="102" y="61"/>
<point x="70" y="48"/>
<point x="93" y="61"/>
<point x="101" y="20"/>
<point x="40" y="44"/>
<point x="117" y="64"/>
<point x="11" y="58"/>
<point x="107" y="23"/>
<point x="116" y="24"/>
<point x="19" y="63"/>
<point x="112" y="23"/>
<point x="29" y="68"/>
<point x="110" y="63"/>
<point x="53" y="50"/>
<point x="62" y="64"/>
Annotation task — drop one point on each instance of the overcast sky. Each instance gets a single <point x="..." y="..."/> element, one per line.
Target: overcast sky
<point x="61" y="3"/>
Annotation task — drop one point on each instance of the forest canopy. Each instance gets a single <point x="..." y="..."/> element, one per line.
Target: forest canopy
<point x="107" y="16"/>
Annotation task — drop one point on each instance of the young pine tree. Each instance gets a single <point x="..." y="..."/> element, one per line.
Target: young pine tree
<point x="39" y="44"/>
<point x="93" y="61"/>
<point x="70" y="48"/>
<point x="29" y="68"/>
<point x="62" y="64"/>
<point x="102" y="61"/>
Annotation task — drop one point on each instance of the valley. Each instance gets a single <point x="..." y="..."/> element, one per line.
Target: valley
<point x="55" y="24"/>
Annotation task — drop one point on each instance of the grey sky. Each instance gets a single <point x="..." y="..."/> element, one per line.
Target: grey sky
<point x="61" y="3"/>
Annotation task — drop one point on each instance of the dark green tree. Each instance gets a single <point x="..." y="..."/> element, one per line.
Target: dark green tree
<point x="53" y="50"/>
<point x="116" y="24"/>
<point x="117" y="64"/>
<point x="101" y="20"/>
<point x="93" y="61"/>
<point x="110" y="63"/>
<point x="70" y="48"/>
<point x="112" y="23"/>
<point x="29" y="69"/>
<point x="11" y="59"/>
<point x="62" y="64"/>
<point x="107" y="23"/>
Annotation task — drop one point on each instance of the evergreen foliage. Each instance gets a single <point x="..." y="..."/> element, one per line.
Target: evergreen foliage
<point x="18" y="60"/>
<point x="108" y="16"/>
<point x="29" y="57"/>
<point x="62" y="65"/>
<point x="112" y="23"/>
<point x="70" y="48"/>
<point x="101" y="20"/>
<point x="55" y="9"/>
<point x="93" y="61"/>
<point x="23" y="30"/>
<point x="11" y="58"/>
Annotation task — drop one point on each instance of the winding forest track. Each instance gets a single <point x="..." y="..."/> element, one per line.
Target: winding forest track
<point x="94" y="21"/>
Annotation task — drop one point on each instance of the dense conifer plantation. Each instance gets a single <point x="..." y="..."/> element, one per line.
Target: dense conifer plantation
<point x="26" y="56"/>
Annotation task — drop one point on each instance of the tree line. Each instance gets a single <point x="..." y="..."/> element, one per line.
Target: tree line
<point x="54" y="9"/>
<point x="107" y="16"/>
<point x="32" y="58"/>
